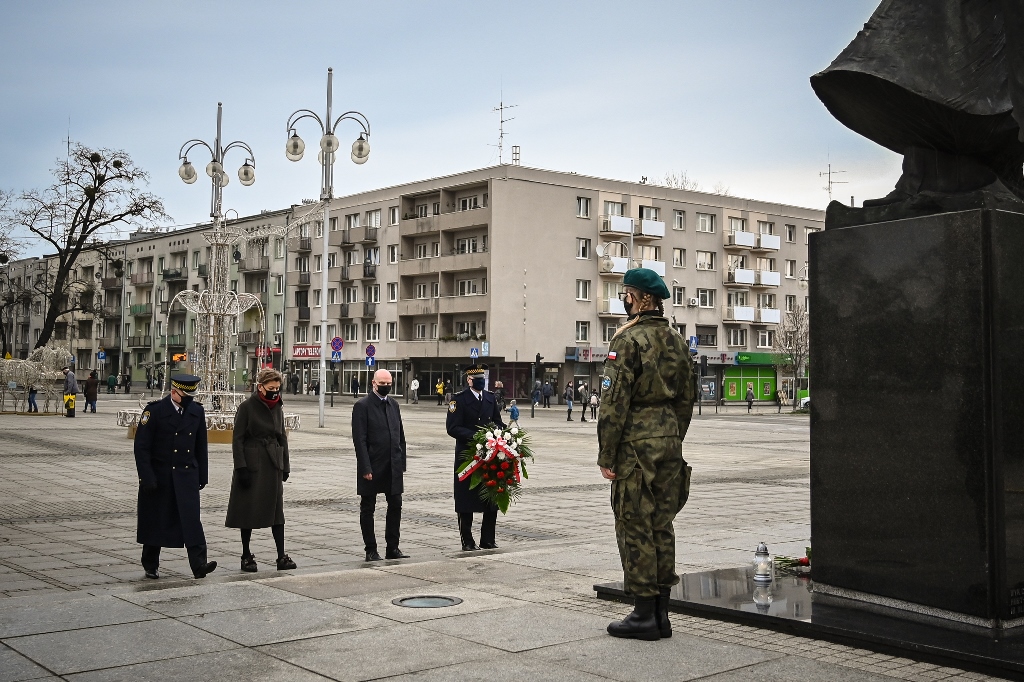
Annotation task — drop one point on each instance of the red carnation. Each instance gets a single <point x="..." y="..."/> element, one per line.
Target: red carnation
<point x="492" y="483"/>
<point x="501" y="474"/>
<point x="486" y="475"/>
<point x="494" y="466"/>
<point x="504" y="465"/>
<point x="501" y="490"/>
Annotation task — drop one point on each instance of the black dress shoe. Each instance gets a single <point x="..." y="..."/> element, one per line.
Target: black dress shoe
<point x="469" y="547"/>
<point x="373" y="556"/>
<point x="152" y="575"/>
<point x="395" y="554"/>
<point x="488" y="545"/>
<point x="285" y="563"/>
<point x="208" y="569"/>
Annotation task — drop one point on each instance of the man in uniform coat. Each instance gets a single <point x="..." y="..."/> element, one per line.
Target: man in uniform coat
<point x="467" y="412"/>
<point x="379" y="440"/>
<point x="171" y="457"/>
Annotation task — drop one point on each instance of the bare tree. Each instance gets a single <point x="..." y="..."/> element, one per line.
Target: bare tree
<point x="791" y="344"/>
<point x="722" y="189"/>
<point x="678" y="180"/>
<point x="9" y="246"/>
<point x="96" y="194"/>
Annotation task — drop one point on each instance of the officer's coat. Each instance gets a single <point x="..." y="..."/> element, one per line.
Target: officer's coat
<point x="171" y="451"/>
<point x="466" y="415"/>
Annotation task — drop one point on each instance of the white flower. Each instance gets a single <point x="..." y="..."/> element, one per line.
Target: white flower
<point x="490" y="435"/>
<point x="479" y="446"/>
<point x="501" y="455"/>
<point x="514" y="430"/>
<point x="519" y="441"/>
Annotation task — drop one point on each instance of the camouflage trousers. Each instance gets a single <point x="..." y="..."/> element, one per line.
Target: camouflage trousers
<point x="651" y="486"/>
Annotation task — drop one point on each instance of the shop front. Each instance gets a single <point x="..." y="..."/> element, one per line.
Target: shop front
<point x="754" y="371"/>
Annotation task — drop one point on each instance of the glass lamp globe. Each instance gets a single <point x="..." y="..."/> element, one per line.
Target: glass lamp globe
<point x="294" y="148"/>
<point x="360" y="149"/>
<point x="320" y="157"/>
<point x="187" y="172"/>
<point x="213" y="168"/>
<point x="246" y="174"/>
<point x="222" y="179"/>
<point x="359" y="159"/>
<point x="802" y="283"/>
<point x="329" y="143"/>
<point x="763" y="565"/>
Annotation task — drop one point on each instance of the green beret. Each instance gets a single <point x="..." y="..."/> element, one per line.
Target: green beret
<point x="647" y="281"/>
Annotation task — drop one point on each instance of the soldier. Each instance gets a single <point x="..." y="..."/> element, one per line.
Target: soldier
<point x="467" y="412"/>
<point x="646" y="403"/>
<point x="171" y="457"/>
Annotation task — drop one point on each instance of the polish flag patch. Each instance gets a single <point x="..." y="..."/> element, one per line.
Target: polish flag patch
<point x="612" y="355"/>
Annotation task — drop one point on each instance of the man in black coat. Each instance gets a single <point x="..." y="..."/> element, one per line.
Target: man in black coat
<point x="172" y="461"/>
<point x="467" y="412"/>
<point x="379" y="440"/>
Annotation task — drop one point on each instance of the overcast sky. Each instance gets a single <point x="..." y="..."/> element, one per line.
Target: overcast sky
<point x="613" y="89"/>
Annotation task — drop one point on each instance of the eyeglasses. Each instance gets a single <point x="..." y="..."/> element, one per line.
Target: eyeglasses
<point x="622" y="295"/>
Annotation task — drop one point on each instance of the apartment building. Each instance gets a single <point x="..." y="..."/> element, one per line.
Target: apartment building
<point x="506" y="262"/>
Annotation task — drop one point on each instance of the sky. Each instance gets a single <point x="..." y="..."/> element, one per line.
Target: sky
<point x="611" y="89"/>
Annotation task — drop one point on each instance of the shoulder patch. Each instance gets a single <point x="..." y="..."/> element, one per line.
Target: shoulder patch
<point x="612" y="355"/>
<point x="145" y="418"/>
<point x="606" y="382"/>
<point x="451" y="406"/>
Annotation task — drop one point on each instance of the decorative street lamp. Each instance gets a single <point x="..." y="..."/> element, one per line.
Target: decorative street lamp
<point x="329" y="145"/>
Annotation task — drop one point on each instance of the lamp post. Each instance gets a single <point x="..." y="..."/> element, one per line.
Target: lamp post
<point x="329" y="145"/>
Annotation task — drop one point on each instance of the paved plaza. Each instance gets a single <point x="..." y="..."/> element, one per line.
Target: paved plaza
<point x="74" y="604"/>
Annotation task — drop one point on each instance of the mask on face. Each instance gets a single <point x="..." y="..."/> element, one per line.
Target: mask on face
<point x="383" y="389"/>
<point x="186" y="400"/>
<point x="478" y="383"/>
<point x="627" y="303"/>
<point x="271" y="395"/>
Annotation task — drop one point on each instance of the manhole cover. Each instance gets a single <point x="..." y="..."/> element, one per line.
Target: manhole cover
<point x="426" y="602"/>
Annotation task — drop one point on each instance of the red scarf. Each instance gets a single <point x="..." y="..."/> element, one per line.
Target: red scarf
<point x="271" y="404"/>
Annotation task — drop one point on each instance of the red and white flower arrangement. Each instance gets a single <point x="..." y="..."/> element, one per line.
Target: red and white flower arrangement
<point x="494" y="463"/>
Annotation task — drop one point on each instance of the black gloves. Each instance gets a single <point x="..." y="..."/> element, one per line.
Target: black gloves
<point x="244" y="477"/>
<point x="147" y="486"/>
<point x="284" y="476"/>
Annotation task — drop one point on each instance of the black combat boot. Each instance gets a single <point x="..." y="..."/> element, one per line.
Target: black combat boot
<point x="664" y="624"/>
<point x="641" y="624"/>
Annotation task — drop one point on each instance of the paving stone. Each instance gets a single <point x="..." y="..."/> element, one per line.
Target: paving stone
<point x="209" y="598"/>
<point x="28" y="617"/>
<point x="380" y="603"/>
<point x="235" y="664"/>
<point x="345" y="583"/>
<point x="14" y="667"/>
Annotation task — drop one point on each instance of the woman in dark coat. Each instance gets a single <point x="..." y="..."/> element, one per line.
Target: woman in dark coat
<point x="260" y="450"/>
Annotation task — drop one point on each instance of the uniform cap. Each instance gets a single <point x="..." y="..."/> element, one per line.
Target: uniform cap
<point x="187" y="384"/>
<point x="475" y="370"/>
<point x="647" y="281"/>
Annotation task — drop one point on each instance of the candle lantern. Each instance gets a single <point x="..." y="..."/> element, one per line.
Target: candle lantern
<point x="763" y="566"/>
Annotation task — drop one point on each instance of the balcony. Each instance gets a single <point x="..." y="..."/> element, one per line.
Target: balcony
<point x="301" y="244"/>
<point x="769" y="315"/>
<point x="303" y="279"/>
<point x="418" y="306"/>
<point x="412" y="225"/>
<point x="345" y="273"/>
<point x="368" y="310"/>
<point x="139" y="341"/>
<point x="369" y="235"/>
<point x="110" y="311"/>
<point x="176" y="309"/>
<point x="738" y="313"/>
<point x="463" y="220"/>
<point x="172" y="341"/>
<point x="304" y="312"/>
<point x="767" y="278"/>
<point x="338" y="311"/>
<point x="740" y="276"/>
<point x="369" y="271"/>
<point x="141" y="279"/>
<point x="617" y="224"/>
<point x="249" y="338"/>
<point x="175" y="274"/>
<point x="112" y="283"/>
<point x="769" y="242"/>
<point x="651" y="228"/>
<point x="613" y="307"/>
<point x="109" y="341"/>
<point x="254" y="264"/>
<point x="613" y="265"/>
<point x="656" y="265"/>
<point x="203" y="270"/>
<point x="458" y="262"/>
<point x="463" y="304"/>
<point x="141" y="309"/>
<point x="741" y="240"/>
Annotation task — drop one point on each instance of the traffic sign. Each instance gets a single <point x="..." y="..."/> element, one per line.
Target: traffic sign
<point x="474" y="353"/>
<point x="693" y="344"/>
<point x="337" y="343"/>
<point x="369" y="361"/>
<point x="485" y="348"/>
<point x="101" y="355"/>
<point x="370" y="351"/>
<point x="335" y="356"/>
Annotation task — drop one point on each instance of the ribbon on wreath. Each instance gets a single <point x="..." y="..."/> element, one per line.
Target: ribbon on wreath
<point x="494" y="446"/>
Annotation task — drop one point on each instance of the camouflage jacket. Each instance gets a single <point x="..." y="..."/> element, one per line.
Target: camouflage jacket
<point x="647" y="389"/>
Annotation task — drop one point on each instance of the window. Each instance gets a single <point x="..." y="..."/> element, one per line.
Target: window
<point x="582" y="207"/>
<point x="582" y="248"/>
<point x="614" y="208"/>
<point x="707" y="336"/>
<point x="300" y="333"/>
<point x="765" y="227"/>
<point x="681" y="328"/>
<point x="646" y="252"/>
<point x="421" y="290"/>
<point x="352" y="257"/>
<point x="649" y="213"/>
<point x="373" y="294"/>
<point x="334" y="225"/>
<point x="583" y="290"/>
<point x="737" y="225"/>
<point x="705" y="222"/>
<point x="393" y="215"/>
<point x="706" y="298"/>
<point x="372" y="331"/>
<point x="392" y="292"/>
<point x="808" y="231"/>
<point x="807" y="304"/>
<point x="436" y="249"/>
<point x="332" y="296"/>
<point x="766" y="300"/>
<point x="195" y="260"/>
<point x="302" y="263"/>
<point x="679" y="258"/>
<point x="332" y="259"/>
<point x="737" y="262"/>
<point x="608" y="331"/>
<point x="393" y="253"/>
<point x="767" y="264"/>
<point x="790" y="233"/>
<point x="791" y="268"/>
<point x="234" y="285"/>
<point x="705" y="260"/>
<point x="421" y="331"/>
<point x="468" y="203"/>
<point x="737" y="298"/>
<point x="435" y="289"/>
<point x="352" y="220"/>
<point x="738" y="337"/>
<point x="765" y="338"/>
<point x="421" y="211"/>
<point x="350" y="332"/>
<point x="465" y="245"/>
<point x="392" y="331"/>
<point x="332" y="331"/>
<point x="582" y="331"/>
<point x="373" y="218"/>
<point x="351" y="295"/>
<point x="790" y="303"/>
<point x="466" y="287"/>
<point x="278" y="323"/>
<point x="316" y="333"/>
<point x="421" y="250"/>
<point x="316" y="262"/>
<point x="678" y="295"/>
<point x="679" y="220"/>
<point x="316" y="298"/>
<point x="437" y="208"/>
<point x="372" y="255"/>
<point x="433" y="330"/>
<point x="319" y="229"/>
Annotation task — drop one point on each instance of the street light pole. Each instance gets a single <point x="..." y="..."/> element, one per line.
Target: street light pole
<point x="294" y="149"/>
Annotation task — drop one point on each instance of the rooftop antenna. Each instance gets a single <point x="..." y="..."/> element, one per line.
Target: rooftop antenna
<point x="828" y="185"/>
<point x="501" y="123"/>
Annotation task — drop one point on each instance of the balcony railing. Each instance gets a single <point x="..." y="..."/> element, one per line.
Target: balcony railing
<point x="656" y="265"/>
<point x="742" y="240"/>
<point x="612" y="306"/>
<point x="174" y="340"/>
<point x="738" y="313"/>
<point x="617" y="224"/>
<point x="142" y="309"/>
<point x="172" y="274"/>
<point x="110" y="311"/>
<point x="769" y="315"/>
<point x="651" y="228"/>
<point x="613" y="265"/>
<point x="303" y="312"/>
<point x="176" y="309"/>
<point x="254" y="264"/>
<point x="139" y="341"/>
<point x="369" y="270"/>
<point x="112" y="282"/>
<point x="203" y="270"/>
<point x="769" y="242"/>
<point x="739" y="276"/>
<point x="345" y="273"/>
<point x="249" y="338"/>
<point x="142" y="278"/>
<point x="109" y="341"/>
<point x="369" y="309"/>
<point x="768" y="278"/>
<point x="303" y="279"/>
<point x="370" y="234"/>
<point x="303" y="244"/>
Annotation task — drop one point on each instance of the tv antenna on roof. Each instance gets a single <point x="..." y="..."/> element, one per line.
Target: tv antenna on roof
<point x="501" y="123"/>
<point x="828" y="185"/>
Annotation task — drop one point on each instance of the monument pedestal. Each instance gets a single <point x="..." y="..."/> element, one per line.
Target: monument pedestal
<point x="917" y="416"/>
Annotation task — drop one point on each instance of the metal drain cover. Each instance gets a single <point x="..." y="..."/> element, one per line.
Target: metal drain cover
<point x="426" y="602"/>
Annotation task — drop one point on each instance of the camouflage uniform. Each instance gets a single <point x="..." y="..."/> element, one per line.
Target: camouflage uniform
<point x="647" y="396"/>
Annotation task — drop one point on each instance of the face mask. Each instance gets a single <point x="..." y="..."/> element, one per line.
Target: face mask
<point x="383" y="389"/>
<point x="627" y="303"/>
<point x="478" y="384"/>
<point x="272" y="395"/>
<point x="186" y="400"/>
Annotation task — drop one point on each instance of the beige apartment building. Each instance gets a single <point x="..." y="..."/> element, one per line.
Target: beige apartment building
<point x="500" y="264"/>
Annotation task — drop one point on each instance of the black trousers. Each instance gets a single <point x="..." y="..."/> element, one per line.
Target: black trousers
<point x="547" y="401"/>
<point x="487" y="527"/>
<point x="392" y="524"/>
<point x="196" y="558"/>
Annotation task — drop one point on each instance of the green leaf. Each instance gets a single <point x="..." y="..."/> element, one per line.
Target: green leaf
<point x="522" y="468"/>
<point x="501" y="500"/>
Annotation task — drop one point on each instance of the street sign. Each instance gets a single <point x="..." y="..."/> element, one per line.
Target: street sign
<point x="370" y="351"/>
<point x="71" y="359"/>
<point x="485" y="348"/>
<point x="101" y="355"/>
<point x="335" y="356"/>
<point x="693" y="343"/>
<point x="474" y="353"/>
<point x="337" y="343"/>
<point x="369" y="361"/>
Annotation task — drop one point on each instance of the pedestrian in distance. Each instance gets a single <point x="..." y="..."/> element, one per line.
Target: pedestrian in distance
<point x="354" y="386"/>
<point x="546" y="392"/>
<point x="127" y="383"/>
<point x="414" y="389"/>
<point x="91" y="391"/>
<point x="439" y="390"/>
<point x="750" y="397"/>
<point x="173" y="464"/>
<point x="259" y="448"/>
<point x="778" y="400"/>
<point x="584" y="398"/>
<point x="32" y="391"/>
<point x="469" y="410"/>
<point x="595" y="400"/>
<point x="70" y="391"/>
<point x="567" y="394"/>
<point x="379" y="440"/>
<point x="112" y="383"/>
<point x="536" y="397"/>
<point x="513" y="413"/>
<point x="647" y="396"/>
